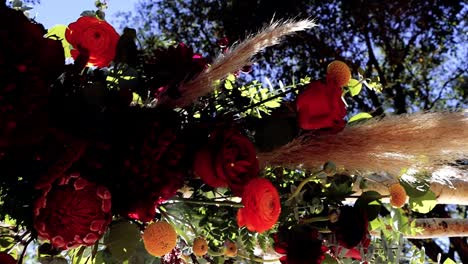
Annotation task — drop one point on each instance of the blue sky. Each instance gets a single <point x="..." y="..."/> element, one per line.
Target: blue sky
<point x="52" y="12"/>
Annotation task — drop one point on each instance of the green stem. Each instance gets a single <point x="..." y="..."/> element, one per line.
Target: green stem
<point x="315" y="219"/>
<point x="324" y="230"/>
<point x="214" y="253"/>
<point x="261" y="260"/>
<point x="202" y="202"/>
<point x="302" y="184"/>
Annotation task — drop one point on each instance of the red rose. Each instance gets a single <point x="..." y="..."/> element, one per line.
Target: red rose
<point x="227" y="160"/>
<point x="97" y="36"/>
<point x="72" y="212"/>
<point x="320" y="106"/>
<point x="261" y="206"/>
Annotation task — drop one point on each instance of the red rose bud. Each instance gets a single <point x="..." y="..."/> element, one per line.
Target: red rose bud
<point x="261" y="206"/>
<point x="96" y="36"/>
<point x="320" y="106"/>
<point x="72" y="212"/>
<point x="227" y="160"/>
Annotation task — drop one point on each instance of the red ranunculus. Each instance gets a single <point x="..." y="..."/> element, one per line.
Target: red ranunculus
<point x="96" y="36"/>
<point x="261" y="206"/>
<point x="320" y="106"/>
<point x="227" y="160"/>
<point x="72" y="212"/>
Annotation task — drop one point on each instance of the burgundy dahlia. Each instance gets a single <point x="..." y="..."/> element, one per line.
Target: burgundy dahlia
<point x="300" y="245"/>
<point x="351" y="227"/>
<point x="72" y="212"/>
<point x="172" y="66"/>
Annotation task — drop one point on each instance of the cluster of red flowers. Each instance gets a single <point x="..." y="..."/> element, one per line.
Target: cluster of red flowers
<point x="28" y="65"/>
<point x="146" y="166"/>
<point x="229" y="159"/>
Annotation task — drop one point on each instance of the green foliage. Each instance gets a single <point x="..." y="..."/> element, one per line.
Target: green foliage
<point x="415" y="188"/>
<point x="423" y="204"/>
<point x="354" y="87"/>
<point x="359" y="117"/>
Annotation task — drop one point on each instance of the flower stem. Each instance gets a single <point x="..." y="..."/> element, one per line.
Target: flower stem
<point x="261" y="260"/>
<point x="302" y="184"/>
<point x="315" y="219"/>
<point x="214" y="253"/>
<point x="202" y="202"/>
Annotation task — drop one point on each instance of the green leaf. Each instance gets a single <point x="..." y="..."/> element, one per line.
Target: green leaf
<point x="354" y="87"/>
<point x="231" y="78"/>
<point x="449" y="261"/>
<point x="369" y="202"/>
<point x="415" y="188"/>
<point x="57" y="32"/>
<point x="366" y="198"/>
<point x="423" y="204"/>
<point x="360" y="116"/>
<point x="376" y="224"/>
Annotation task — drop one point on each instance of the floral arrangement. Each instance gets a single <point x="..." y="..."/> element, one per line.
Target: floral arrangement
<point x="129" y="156"/>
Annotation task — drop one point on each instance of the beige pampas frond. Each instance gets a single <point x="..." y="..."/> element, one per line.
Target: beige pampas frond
<point x="237" y="57"/>
<point x="423" y="141"/>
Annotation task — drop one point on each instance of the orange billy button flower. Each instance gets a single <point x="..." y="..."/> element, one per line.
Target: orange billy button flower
<point x="230" y="249"/>
<point x="94" y="36"/>
<point x="338" y="73"/>
<point x="261" y="206"/>
<point x="159" y="238"/>
<point x="200" y="246"/>
<point x="397" y="195"/>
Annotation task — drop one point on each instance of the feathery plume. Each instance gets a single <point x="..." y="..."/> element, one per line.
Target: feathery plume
<point x="236" y="58"/>
<point x="422" y="141"/>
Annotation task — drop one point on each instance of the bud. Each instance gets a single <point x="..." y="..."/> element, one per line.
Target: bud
<point x="329" y="168"/>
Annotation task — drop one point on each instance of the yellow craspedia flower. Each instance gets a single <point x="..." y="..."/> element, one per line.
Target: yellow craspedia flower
<point x="159" y="238"/>
<point x="397" y="195"/>
<point x="200" y="247"/>
<point x="338" y="73"/>
<point x="230" y="249"/>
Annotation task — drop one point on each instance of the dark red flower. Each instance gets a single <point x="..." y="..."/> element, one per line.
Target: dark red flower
<point x="262" y="206"/>
<point x="6" y="258"/>
<point x="351" y="227"/>
<point x="227" y="160"/>
<point x="72" y="212"/>
<point x="172" y="66"/>
<point x="300" y="245"/>
<point x="320" y="106"/>
<point x="148" y="169"/>
<point x="29" y="63"/>
<point x="96" y="36"/>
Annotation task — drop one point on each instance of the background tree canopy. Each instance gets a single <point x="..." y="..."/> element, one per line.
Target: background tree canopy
<point x="414" y="49"/>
